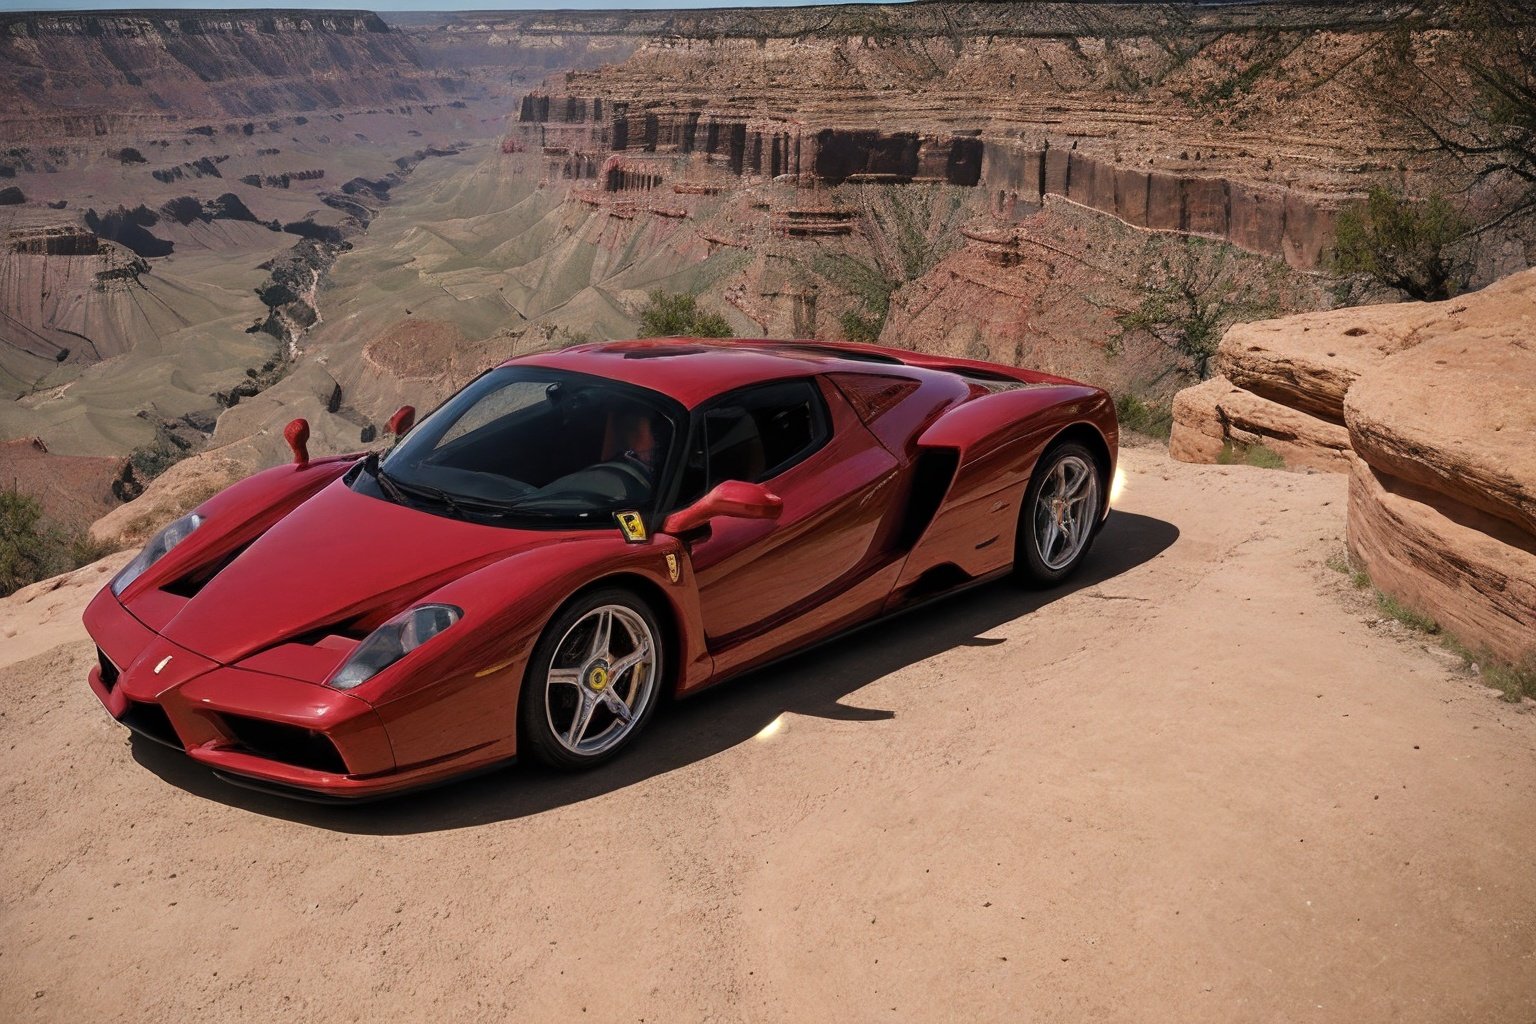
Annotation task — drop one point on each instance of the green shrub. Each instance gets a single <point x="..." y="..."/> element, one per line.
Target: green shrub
<point x="677" y="315"/>
<point x="1403" y="243"/>
<point x="1414" y="620"/>
<point x="33" y="549"/>
<point x="860" y="327"/>
<point x="1153" y="419"/>
<point x="1188" y="294"/>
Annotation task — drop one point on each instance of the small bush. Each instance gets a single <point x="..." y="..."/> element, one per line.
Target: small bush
<point x="677" y="315"/>
<point x="1144" y="417"/>
<point x="860" y="327"/>
<point x="33" y="549"/>
<point x="1342" y="563"/>
<point x="1515" y="682"/>
<point x="1233" y="454"/>
<point x="152" y="459"/>
<point x="1407" y="244"/>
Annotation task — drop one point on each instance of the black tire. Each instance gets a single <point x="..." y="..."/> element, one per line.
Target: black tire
<point x="1046" y="568"/>
<point x="548" y="705"/>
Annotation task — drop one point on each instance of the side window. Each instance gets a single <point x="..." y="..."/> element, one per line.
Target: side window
<point x="755" y="435"/>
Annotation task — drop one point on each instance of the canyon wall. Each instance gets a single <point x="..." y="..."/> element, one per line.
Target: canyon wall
<point x="80" y="73"/>
<point x="1243" y="124"/>
<point x="1261" y="218"/>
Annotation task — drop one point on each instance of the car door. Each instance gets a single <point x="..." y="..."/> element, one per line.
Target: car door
<point x="800" y="439"/>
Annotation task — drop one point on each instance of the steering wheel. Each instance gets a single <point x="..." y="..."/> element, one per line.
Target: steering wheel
<point x="630" y="465"/>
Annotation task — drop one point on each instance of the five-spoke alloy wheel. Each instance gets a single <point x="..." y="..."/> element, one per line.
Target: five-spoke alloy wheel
<point x="593" y="680"/>
<point x="1062" y="509"/>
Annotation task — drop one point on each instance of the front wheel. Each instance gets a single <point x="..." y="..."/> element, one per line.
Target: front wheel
<point x="1061" y="511"/>
<point x="593" y="680"/>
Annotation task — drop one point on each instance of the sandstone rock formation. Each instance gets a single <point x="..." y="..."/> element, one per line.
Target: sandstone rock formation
<point x="1217" y="413"/>
<point x="84" y="73"/>
<point x="1431" y="409"/>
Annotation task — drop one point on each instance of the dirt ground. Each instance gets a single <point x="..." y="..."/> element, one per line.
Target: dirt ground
<point x="1200" y="784"/>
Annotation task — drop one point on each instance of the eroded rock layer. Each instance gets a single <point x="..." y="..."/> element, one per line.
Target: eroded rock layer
<point x="1218" y="414"/>
<point x="1475" y="575"/>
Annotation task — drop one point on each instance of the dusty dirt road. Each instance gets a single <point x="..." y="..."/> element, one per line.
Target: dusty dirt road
<point x="1195" y="786"/>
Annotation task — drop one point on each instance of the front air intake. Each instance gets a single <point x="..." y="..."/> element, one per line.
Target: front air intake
<point x="151" y="722"/>
<point x="290" y="744"/>
<point x="109" y="672"/>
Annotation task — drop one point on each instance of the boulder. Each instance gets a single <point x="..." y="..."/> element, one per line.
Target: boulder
<point x="1309" y="361"/>
<point x="1216" y="413"/>
<point x="1473" y="573"/>
<point x="1457" y="415"/>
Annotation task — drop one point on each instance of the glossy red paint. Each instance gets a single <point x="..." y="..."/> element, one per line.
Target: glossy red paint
<point x="920" y="479"/>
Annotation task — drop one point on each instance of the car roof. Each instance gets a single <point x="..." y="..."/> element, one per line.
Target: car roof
<point x="694" y="370"/>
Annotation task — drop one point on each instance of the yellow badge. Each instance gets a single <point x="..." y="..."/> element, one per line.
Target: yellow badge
<point x="631" y="526"/>
<point x="674" y="570"/>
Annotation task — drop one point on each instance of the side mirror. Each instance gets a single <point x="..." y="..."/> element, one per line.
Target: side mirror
<point x="403" y="419"/>
<point x="296" y="433"/>
<point x="732" y="498"/>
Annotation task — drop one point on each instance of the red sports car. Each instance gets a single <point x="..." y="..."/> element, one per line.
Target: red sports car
<point x="573" y="537"/>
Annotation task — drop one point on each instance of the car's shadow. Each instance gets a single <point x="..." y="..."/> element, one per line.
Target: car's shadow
<point x="694" y="729"/>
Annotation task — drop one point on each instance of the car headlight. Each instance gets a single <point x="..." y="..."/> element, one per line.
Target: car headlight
<point x="392" y="641"/>
<point x="158" y="547"/>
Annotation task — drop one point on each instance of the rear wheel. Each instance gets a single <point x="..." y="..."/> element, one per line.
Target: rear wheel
<point x="1061" y="512"/>
<point x="593" y="681"/>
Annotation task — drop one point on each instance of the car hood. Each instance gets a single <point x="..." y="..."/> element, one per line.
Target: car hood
<point x="336" y="558"/>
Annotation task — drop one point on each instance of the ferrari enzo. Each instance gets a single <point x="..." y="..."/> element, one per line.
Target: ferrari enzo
<point x="576" y="536"/>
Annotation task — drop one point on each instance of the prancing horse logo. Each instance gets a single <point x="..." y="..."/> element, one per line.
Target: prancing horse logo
<point x="674" y="570"/>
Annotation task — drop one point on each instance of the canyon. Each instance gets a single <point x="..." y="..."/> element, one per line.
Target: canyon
<point x="229" y="220"/>
<point x="1222" y="782"/>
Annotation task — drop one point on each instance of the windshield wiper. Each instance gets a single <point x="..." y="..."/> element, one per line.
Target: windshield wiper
<point x="432" y="494"/>
<point x="386" y="482"/>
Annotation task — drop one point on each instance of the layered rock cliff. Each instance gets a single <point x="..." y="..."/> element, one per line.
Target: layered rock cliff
<point x="1147" y="113"/>
<point x="82" y="73"/>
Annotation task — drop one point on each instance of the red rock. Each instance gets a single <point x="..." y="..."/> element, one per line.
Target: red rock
<point x="1457" y="415"/>
<point x="1474" y="574"/>
<point x="1213" y="414"/>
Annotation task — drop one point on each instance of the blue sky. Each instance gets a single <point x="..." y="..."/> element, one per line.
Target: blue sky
<point x="397" y="5"/>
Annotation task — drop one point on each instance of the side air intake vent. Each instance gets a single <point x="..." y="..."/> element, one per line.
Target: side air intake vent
<point x="934" y="472"/>
<point x="109" y="671"/>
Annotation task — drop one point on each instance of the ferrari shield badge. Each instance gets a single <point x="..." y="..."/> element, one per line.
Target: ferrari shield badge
<point x="631" y="526"/>
<point x="674" y="570"/>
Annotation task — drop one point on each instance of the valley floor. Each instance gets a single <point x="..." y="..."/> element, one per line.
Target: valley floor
<point x="1201" y="784"/>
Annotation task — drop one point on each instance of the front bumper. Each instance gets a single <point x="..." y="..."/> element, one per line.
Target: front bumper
<point x="280" y="734"/>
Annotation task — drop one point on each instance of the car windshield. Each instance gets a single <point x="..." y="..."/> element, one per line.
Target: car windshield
<point x="531" y="443"/>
